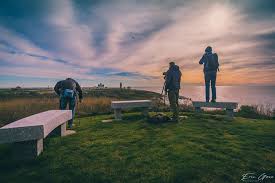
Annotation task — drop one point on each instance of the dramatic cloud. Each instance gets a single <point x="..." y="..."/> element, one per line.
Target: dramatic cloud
<point x="133" y="41"/>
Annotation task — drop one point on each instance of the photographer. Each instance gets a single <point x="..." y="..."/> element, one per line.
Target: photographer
<point x="172" y="87"/>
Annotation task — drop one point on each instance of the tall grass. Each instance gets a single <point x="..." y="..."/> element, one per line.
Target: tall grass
<point x="101" y="105"/>
<point x="14" y="109"/>
<point x="17" y="104"/>
<point x="257" y="111"/>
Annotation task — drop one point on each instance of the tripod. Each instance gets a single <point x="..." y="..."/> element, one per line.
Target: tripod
<point x="163" y="88"/>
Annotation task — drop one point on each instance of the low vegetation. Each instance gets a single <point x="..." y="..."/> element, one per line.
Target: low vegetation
<point x="257" y="112"/>
<point x="15" y="109"/>
<point x="205" y="147"/>
<point x="16" y="104"/>
<point x="201" y="148"/>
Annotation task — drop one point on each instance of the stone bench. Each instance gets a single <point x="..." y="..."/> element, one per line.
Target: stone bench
<point x="119" y="105"/>
<point x="228" y="106"/>
<point x="28" y="133"/>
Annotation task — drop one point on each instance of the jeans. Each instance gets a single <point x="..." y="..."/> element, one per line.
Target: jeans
<point x="64" y="101"/>
<point x="173" y="96"/>
<point x="210" y="77"/>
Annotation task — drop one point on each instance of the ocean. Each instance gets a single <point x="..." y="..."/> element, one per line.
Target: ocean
<point x="244" y="95"/>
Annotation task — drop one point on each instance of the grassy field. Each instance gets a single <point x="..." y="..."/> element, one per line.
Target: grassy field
<point x="17" y="104"/>
<point x="202" y="148"/>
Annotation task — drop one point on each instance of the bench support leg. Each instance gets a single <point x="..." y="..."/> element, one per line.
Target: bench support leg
<point x="28" y="149"/>
<point x="197" y="109"/>
<point x="230" y="113"/>
<point x="61" y="130"/>
<point x="118" y="115"/>
<point x="145" y="112"/>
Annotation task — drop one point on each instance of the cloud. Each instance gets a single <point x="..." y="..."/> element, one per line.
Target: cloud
<point x="130" y="40"/>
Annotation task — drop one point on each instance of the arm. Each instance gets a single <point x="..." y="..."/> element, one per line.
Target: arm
<point x="79" y="90"/>
<point x="57" y="88"/>
<point x="202" y="60"/>
<point x="217" y="60"/>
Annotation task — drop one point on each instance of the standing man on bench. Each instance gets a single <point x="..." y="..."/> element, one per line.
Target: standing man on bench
<point x="172" y="86"/>
<point x="211" y="66"/>
<point x="68" y="90"/>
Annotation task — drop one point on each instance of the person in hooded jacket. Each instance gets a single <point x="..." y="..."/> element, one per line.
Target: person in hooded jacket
<point x="211" y="66"/>
<point x="172" y="87"/>
<point x="68" y="90"/>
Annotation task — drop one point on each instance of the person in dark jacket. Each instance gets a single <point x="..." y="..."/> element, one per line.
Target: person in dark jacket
<point x="172" y="87"/>
<point x="68" y="90"/>
<point x="211" y="66"/>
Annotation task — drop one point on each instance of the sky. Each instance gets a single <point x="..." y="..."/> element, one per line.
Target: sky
<point x="132" y="41"/>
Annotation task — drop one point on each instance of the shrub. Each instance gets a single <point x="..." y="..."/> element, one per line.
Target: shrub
<point x="11" y="110"/>
<point x="255" y="112"/>
<point x="17" y="104"/>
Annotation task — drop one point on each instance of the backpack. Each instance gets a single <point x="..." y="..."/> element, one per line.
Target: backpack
<point x="212" y="63"/>
<point x="68" y="88"/>
<point x="67" y="93"/>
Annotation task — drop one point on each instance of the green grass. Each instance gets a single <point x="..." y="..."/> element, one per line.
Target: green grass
<point x="17" y="104"/>
<point x="202" y="148"/>
<point x="8" y="94"/>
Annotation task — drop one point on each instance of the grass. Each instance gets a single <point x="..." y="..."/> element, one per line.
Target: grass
<point x="257" y="112"/>
<point x="7" y="94"/>
<point x="18" y="108"/>
<point x="202" y="148"/>
<point x="17" y="104"/>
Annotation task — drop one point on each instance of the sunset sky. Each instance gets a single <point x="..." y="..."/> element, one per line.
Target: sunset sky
<point x="133" y="41"/>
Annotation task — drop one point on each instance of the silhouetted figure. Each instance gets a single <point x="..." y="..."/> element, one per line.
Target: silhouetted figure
<point x="211" y="66"/>
<point x="172" y="86"/>
<point x="68" y="90"/>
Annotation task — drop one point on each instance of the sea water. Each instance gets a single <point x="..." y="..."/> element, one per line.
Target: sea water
<point x="244" y="95"/>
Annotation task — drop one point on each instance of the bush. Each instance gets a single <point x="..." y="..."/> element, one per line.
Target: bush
<point x="255" y="112"/>
<point x="12" y="110"/>
<point x="17" y="104"/>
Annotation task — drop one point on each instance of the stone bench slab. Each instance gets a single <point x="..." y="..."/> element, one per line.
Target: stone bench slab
<point x="119" y="105"/>
<point x="229" y="106"/>
<point x="222" y="105"/>
<point x="34" y="127"/>
<point x="130" y="104"/>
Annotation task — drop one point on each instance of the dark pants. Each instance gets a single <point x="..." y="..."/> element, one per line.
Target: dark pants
<point x="173" y="96"/>
<point x="64" y="101"/>
<point x="210" y="77"/>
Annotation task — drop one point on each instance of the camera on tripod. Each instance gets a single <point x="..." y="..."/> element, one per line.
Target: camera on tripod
<point x="164" y="74"/>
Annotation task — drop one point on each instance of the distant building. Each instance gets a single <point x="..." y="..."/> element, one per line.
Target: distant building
<point x="17" y="88"/>
<point x="100" y="86"/>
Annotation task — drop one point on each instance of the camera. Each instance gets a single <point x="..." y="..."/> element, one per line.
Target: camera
<point x="164" y="74"/>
